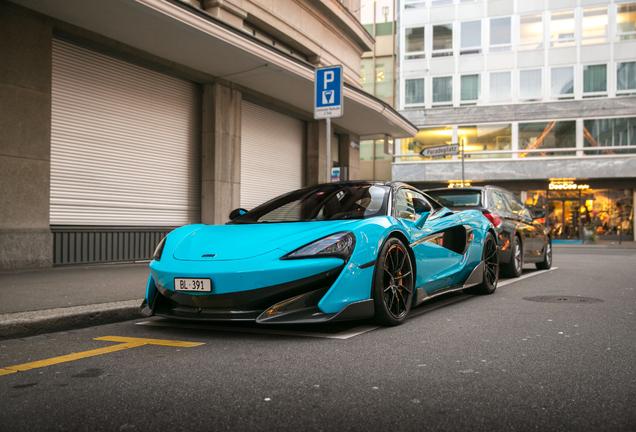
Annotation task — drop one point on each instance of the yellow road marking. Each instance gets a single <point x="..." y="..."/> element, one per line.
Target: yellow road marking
<point x="126" y="343"/>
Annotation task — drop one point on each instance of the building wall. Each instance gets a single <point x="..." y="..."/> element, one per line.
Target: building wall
<point x="25" y="130"/>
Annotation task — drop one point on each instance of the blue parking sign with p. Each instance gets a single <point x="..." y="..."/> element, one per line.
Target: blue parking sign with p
<point x="328" y="92"/>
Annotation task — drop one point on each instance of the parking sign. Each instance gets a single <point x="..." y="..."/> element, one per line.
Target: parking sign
<point x="328" y="92"/>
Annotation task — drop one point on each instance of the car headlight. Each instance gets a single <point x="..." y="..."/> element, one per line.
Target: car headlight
<point x="338" y="245"/>
<point x="159" y="250"/>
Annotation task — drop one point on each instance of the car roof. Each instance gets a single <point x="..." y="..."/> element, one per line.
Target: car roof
<point x="469" y="188"/>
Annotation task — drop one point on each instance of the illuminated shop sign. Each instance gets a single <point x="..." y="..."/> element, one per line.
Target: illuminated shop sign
<point x="457" y="184"/>
<point x="567" y="185"/>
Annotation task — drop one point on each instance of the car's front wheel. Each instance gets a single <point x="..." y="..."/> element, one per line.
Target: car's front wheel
<point x="393" y="284"/>
<point x="547" y="259"/>
<point x="515" y="266"/>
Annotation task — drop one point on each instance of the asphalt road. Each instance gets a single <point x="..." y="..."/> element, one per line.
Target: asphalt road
<point x="476" y="363"/>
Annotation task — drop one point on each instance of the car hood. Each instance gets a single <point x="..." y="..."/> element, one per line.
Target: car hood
<point x="241" y="241"/>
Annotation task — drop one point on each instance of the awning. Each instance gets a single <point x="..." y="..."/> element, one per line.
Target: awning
<point x="189" y="36"/>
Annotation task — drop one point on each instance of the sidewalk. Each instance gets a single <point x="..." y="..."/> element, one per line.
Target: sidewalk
<point x="602" y="244"/>
<point x="63" y="298"/>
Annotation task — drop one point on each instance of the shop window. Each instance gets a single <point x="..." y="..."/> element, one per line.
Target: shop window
<point x="470" y="89"/>
<point x="594" y="81"/>
<point x="470" y="38"/>
<point x="485" y="138"/>
<point x="366" y="75"/>
<point x="500" y="34"/>
<point x="427" y="137"/>
<point x="626" y="79"/>
<point x="384" y="77"/>
<point x="414" y="43"/>
<point x="443" y="40"/>
<point x="626" y="21"/>
<point x="500" y="87"/>
<point x="531" y="32"/>
<point x="562" y="83"/>
<point x="607" y="212"/>
<point x="594" y="25"/>
<point x="604" y="135"/>
<point x="562" y="28"/>
<point x="530" y="85"/>
<point x="537" y="138"/>
<point x="442" y="91"/>
<point x="414" y="92"/>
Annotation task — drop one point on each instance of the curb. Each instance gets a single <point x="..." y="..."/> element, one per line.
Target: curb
<point x="33" y="323"/>
<point x="592" y="246"/>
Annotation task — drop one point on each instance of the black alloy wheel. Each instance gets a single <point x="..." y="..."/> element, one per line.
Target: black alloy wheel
<point x="490" y="259"/>
<point x="393" y="284"/>
<point x="547" y="259"/>
<point x="514" y="268"/>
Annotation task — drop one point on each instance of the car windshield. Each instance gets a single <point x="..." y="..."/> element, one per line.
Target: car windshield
<point x="454" y="198"/>
<point x="321" y="203"/>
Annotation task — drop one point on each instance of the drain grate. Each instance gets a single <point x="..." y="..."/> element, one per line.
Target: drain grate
<point x="563" y="299"/>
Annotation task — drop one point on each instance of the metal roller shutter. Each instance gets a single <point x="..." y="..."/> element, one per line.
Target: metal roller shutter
<point x="125" y="143"/>
<point x="271" y="154"/>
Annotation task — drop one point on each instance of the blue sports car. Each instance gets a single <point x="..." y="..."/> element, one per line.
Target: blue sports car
<point x="332" y="252"/>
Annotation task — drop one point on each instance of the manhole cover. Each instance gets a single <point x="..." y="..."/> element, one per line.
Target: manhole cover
<point x="563" y="299"/>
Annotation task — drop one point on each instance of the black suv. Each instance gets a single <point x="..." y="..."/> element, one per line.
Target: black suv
<point x="522" y="238"/>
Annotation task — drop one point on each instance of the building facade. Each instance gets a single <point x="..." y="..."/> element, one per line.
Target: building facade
<point x="540" y="95"/>
<point x="125" y="119"/>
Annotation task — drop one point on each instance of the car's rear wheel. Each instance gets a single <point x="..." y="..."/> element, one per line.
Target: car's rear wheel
<point x="514" y="267"/>
<point x="547" y="260"/>
<point x="490" y="258"/>
<point x="393" y="284"/>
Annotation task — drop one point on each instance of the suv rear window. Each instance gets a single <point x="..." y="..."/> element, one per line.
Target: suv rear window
<point x="454" y="198"/>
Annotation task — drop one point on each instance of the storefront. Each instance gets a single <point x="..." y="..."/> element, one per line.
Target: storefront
<point x="575" y="209"/>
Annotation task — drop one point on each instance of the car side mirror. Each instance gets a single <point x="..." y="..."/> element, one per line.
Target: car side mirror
<point x="423" y="209"/>
<point x="234" y="214"/>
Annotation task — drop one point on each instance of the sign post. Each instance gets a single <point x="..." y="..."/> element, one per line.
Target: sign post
<point x="445" y="150"/>
<point x="328" y="98"/>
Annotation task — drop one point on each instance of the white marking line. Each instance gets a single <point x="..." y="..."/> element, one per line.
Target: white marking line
<point x="342" y="335"/>
<point x="526" y="276"/>
<point x="347" y="334"/>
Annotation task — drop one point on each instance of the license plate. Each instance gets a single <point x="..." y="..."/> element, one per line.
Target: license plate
<point x="192" y="285"/>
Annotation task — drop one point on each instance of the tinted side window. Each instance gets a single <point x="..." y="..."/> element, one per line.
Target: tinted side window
<point x="516" y="207"/>
<point x="497" y="202"/>
<point x="407" y="202"/>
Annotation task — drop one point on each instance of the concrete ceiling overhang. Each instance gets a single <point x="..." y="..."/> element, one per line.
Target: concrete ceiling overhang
<point x="177" y="32"/>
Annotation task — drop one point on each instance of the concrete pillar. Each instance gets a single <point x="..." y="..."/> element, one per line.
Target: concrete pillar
<point x="350" y="156"/>
<point x="316" y="172"/>
<point x="25" y="139"/>
<point x="221" y="153"/>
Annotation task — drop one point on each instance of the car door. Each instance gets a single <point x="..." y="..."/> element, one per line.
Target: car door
<point x="435" y="264"/>
<point x="525" y="225"/>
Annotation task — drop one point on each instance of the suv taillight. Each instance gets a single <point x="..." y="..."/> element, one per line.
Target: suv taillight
<point x="496" y="220"/>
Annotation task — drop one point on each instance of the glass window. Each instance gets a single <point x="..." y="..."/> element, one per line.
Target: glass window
<point x="562" y="28"/>
<point x="414" y="43"/>
<point x="500" y="34"/>
<point x="530" y="85"/>
<point x="366" y="75"/>
<point x="441" y="2"/>
<point x="414" y="92"/>
<point x="407" y="202"/>
<point x="500" y="87"/>
<point x="442" y="91"/>
<point x="470" y="89"/>
<point x="384" y="29"/>
<point x="457" y="197"/>
<point x="497" y="201"/>
<point x="470" y="37"/>
<point x="531" y="32"/>
<point x="541" y="136"/>
<point x="443" y="40"/>
<point x="595" y="80"/>
<point x="614" y="132"/>
<point x="414" y="4"/>
<point x="626" y="21"/>
<point x="594" y="25"/>
<point x="427" y="137"/>
<point x="384" y="77"/>
<point x="486" y="137"/>
<point x="562" y="83"/>
<point x="608" y="212"/>
<point x="626" y="79"/>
